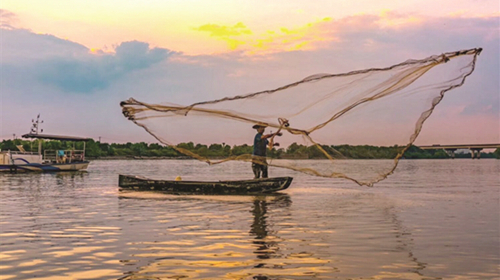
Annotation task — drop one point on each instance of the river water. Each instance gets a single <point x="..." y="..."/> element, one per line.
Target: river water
<point x="431" y="219"/>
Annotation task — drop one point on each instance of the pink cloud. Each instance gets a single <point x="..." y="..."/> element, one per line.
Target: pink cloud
<point x="7" y="19"/>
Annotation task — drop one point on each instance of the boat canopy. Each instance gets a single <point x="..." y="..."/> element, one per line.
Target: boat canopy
<point x="56" y="137"/>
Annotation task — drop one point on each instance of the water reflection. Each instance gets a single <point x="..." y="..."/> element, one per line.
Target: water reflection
<point x="65" y="179"/>
<point x="33" y="180"/>
<point x="265" y="248"/>
<point x="78" y="226"/>
<point x="208" y="239"/>
<point x="404" y="244"/>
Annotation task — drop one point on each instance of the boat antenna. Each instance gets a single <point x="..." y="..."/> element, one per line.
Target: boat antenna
<point x="35" y="125"/>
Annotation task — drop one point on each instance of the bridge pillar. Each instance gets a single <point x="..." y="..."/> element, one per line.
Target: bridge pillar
<point x="451" y="152"/>
<point x="476" y="153"/>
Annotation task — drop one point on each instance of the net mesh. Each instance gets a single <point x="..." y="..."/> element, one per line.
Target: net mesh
<point x="318" y="117"/>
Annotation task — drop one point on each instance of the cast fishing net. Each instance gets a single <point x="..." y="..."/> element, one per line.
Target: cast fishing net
<point x="321" y="117"/>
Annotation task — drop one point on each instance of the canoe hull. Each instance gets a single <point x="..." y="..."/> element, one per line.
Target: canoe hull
<point x="256" y="186"/>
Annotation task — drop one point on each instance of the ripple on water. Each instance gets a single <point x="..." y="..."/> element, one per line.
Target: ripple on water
<point x="63" y="226"/>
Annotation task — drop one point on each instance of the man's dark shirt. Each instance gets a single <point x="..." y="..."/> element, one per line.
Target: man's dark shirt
<point x="259" y="145"/>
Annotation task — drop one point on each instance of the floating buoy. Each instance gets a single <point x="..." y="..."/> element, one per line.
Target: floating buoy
<point x="178" y="178"/>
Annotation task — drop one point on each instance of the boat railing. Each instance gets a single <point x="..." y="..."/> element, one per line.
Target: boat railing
<point x="20" y="153"/>
<point x="63" y="156"/>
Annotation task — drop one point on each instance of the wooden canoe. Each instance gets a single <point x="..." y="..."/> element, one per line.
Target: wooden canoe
<point x="255" y="186"/>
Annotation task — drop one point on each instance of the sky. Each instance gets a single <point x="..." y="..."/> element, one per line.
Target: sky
<point x="74" y="61"/>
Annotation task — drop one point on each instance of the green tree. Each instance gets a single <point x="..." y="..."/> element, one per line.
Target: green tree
<point x="440" y="154"/>
<point x="8" y="145"/>
<point x="139" y="149"/>
<point x="188" y="146"/>
<point x="92" y="149"/>
<point x="226" y="150"/>
<point x="203" y="151"/>
<point x="241" y="150"/>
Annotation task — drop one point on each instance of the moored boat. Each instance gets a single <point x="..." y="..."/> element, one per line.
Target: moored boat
<point x="44" y="160"/>
<point x="48" y="161"/>
<point x="254" y="186"/>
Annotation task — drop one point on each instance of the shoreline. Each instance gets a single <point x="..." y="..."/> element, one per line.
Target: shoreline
<point x="295" y="158"/>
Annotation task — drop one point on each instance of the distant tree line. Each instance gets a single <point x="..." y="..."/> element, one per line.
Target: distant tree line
<point x="294" y="151"/>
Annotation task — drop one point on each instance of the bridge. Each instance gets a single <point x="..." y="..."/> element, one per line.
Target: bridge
<point x="475" y="149"/>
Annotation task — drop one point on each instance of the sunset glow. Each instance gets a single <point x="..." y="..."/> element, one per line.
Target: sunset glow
<point x="182" y="25"/>
<point x="101" y="52"/>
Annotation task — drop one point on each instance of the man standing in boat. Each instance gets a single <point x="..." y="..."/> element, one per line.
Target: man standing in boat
<point x="260" y="143"/>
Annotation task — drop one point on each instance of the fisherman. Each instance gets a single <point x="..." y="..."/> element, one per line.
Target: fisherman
<point x="260" y="144"/>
